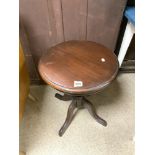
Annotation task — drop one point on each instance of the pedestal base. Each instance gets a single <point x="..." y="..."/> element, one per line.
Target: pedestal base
<point x="77" y="103"/>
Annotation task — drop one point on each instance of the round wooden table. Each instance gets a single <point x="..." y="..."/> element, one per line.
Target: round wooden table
<point x="78" y="69"/>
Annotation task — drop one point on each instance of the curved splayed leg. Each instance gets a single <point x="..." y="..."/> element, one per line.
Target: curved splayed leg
<point x="64" y="97"/>
<point x="70" y="115"/>
<point x="91" y="109"/>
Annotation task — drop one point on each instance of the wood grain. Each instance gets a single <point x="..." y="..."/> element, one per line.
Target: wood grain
<point x="35" y="17"/>
<point x="49" y="22"/>
<point x="74" y="19"/>
<point x="24" y="82"/>
<point x="78" y="61"/>
<point x="56" y="22"/>
<point x="103" y="22"/>
<point x="29" y="61"/>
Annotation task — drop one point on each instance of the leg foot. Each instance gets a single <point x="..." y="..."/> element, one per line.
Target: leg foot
<point x="70" y="115"/>
<point x="64" y="97"/>
<point x="91" y="109"/>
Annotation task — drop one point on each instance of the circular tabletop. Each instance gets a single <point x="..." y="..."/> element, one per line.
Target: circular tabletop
<point x="78" y="67"/>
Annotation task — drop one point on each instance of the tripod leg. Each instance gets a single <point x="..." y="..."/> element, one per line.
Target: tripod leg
<point x="64" y="97"/>
<point x="70" y="115"/>
<point x="91" y="109"/>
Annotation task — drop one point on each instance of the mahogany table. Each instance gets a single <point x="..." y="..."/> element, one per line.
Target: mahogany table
<point x="78" y="69"/>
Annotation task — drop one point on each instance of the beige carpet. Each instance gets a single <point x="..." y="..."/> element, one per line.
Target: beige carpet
<point x="43" y="119"/>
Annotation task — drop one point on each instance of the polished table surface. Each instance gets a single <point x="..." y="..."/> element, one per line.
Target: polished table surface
<point x="78" y="67"/>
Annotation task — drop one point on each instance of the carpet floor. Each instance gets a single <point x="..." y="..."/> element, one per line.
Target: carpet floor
<point x="44" y="117"/>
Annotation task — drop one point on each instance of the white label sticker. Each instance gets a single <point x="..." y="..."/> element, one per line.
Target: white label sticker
<point x="78" y="83"/>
